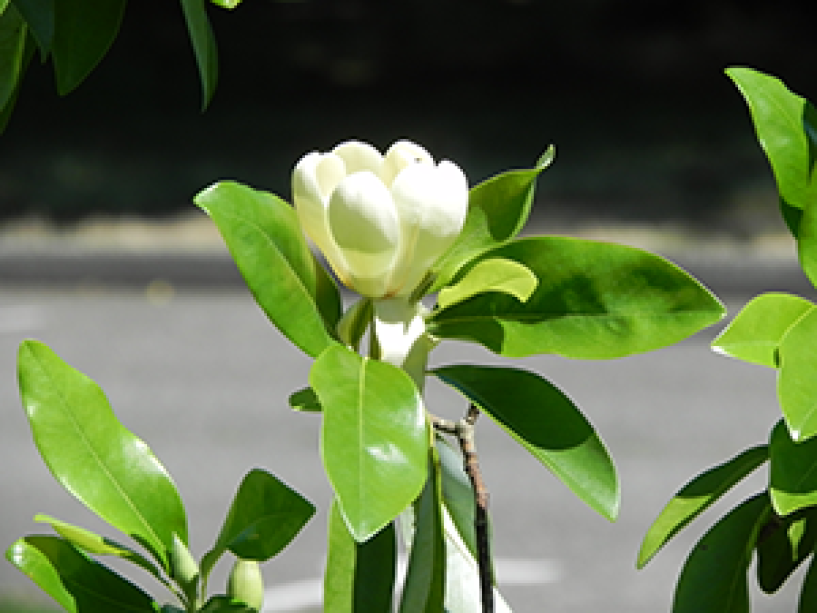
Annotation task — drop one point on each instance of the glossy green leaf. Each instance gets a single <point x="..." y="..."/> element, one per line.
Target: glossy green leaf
<point x="783" y="544"/>
<point x="83" y="32"/>
<point x="714" y="576"/>
<point x="226" y="4"/>
<point x="497" y="210"/>
<point x="359" y="576"/>
<point x="39" y="16"/>
<point x="797" y="379"/>
<point x="755" y="333"/>
<point x="457" y="493"/>
<point x="547" y="423"/>
<point x="374" y="437"/>
<point x="305" y="400"/>
<point x="93" y="456"/>
<point x="77" y="583"/>
<point x="13" y="34"/>
<point x="204" y="47"/>
<point x="792" y="471"/>
<point x="266" y="242"/>
<point x="696" y="496"/>
<point x="424" y="590"/>
<point x="87" y="541"/>
<point x="264" y="517"/>
<point x="491" y="275"/>
<point x="808" y="591"/>
<point x="779" y="116"/>
<point x="594" y="300"/>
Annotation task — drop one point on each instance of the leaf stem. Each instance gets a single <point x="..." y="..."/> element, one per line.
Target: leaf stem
<point x="464" y="431"/>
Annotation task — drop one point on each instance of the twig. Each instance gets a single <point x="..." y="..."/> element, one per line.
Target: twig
<point x="464" y="431"/>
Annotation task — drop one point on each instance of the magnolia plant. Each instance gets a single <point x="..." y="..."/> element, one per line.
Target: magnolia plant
<point x="424" y="258"/>
<point x="778" y="525"/>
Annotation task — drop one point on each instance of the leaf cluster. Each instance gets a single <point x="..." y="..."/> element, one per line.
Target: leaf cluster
<point x="774" y="330"/>
<point x="76" y="34"/>
<point x="116" y="476"/>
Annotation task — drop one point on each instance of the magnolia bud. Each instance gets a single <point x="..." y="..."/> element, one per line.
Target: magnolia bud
<point x="183" y="567"/>
<point x="246" y="584"/>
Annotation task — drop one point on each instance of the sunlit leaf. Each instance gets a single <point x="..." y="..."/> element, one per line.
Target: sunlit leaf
<point x="593" y="300"/>
<point x="93" y="456"/>
<point x="755" y="333"/>
<point x="797" y="379"/>
<point x="714" y="576"/>
<point x="497" y="210"/>
<point x="696" y="496"/>
<point x="492" y="275"/>
<point x="77" y="583"/>
<point x="359" y="576"/>
<point x="83" y="32"/>
<point x="226" y="4"/>
<point x="264" y="517"/>
<point x="374" y="437"/>
<point x="204" y="46"/>
<point x="547" y="423"/>
<point x="352" y="326"/>
<point x="792" y="471"/>
<point x="265" y="240"/>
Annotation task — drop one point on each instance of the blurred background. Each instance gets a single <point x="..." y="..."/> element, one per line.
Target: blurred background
<point x="104" y="257"/>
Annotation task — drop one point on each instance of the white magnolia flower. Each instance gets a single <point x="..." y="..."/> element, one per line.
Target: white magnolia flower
<point x="381" y="221"/>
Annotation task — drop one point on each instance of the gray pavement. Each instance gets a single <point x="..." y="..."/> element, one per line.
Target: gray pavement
<point x="197" y="372"/>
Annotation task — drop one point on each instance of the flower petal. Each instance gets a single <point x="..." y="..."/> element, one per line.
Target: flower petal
<point x="363" y="223"/>
<point x="400" y="155"/>
<point x="431" y="202"/>
<point x="358" y="156"/>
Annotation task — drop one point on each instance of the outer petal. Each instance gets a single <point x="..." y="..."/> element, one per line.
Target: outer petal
<point x="358" y="156"/>
<point x="363" y="223"/>
<point x="400" y="155"/>
<point x="432" y="202"/>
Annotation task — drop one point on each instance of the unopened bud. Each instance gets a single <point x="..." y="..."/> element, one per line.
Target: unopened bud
<point x="183" y="567"/>
<point x="246" y="584"/>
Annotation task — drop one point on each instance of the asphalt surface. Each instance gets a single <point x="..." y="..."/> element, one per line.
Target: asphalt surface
<point x="191" y="365"/>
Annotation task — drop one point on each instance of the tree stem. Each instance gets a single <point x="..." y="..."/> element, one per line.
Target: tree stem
<point x="464" y="431"/>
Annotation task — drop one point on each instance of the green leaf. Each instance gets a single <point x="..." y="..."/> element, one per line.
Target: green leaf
<point x="83" y="32"/>
<point x="204" y="47"/>
<point x="87" y="541"/>
<point x="13" y="34"/>
<point x="374" y="437"/>
<point x="497" y="210"/>
<point x="93" y="456"/>
<point x="782" y="546"/>
<point x="78" y="584"/>
<point x="359" y="576"/>
<point x="39" y="16"/>
<point x="778" y="116"/>
<point x="547" y="423"/>
<point x="492" y="275"/>
<point x="226" y="4"/>
<point x="696" y="496"/>
<point x="224" y="604"/>
<point x="305" y="400"/>
<point x="424" y="589"/>
<point x="792" y="471"/>
<point x="797" y="379"/>
<point x="264" y="517"/>
<point x="808" y="591"/>
<point x="594" y="300"/>
<point x="755" y="333"/>
<point x="352" y="326"/>
<point x="713" y="579"/>
<point x="266" y="242"/>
